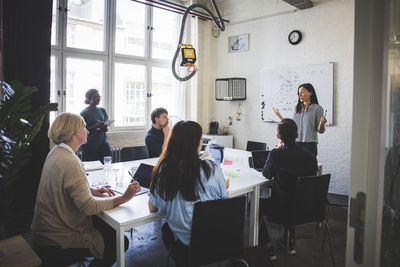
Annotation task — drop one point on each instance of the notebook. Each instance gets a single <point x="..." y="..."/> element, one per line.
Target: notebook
<point x="143" y="175"/>
<point x="259" y="159"/>
<point x="92" y="165"/>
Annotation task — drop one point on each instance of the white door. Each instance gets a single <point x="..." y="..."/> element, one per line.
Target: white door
<point x="375" y="153"/>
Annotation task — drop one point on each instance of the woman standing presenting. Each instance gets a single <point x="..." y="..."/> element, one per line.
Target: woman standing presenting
<point x="97" y="146"/>
<point x="180" y="179"/>
<point x="309" y="117"/>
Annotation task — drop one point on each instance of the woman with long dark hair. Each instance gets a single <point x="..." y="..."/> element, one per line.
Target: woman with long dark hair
<point x="309" y="117"/>
<point x="180" y="179"/>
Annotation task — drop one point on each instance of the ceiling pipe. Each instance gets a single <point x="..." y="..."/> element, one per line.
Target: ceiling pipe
<point x="300" y="4"/>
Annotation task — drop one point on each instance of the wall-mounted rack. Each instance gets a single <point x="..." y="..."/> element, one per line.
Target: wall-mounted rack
<point x="229" y="89"/>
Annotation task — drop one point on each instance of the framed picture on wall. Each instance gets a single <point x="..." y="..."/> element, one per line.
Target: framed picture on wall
<point x="239" y="43"/>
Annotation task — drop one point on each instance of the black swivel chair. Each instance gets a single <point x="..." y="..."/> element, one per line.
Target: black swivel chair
<point x="251" y="146"/>
<point x="306" y="205"/>
<point x="134" y="153"/>
<point x="217" y="232"/>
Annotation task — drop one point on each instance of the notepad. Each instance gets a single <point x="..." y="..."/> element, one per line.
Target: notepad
<point x="92" y="165"/>
<point x="108" y="122"/>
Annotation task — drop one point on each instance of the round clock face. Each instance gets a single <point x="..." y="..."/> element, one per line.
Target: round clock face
<point x="295" y="37"/>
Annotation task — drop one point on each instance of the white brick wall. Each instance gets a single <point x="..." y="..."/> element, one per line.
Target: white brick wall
<point x="327" y="37"/>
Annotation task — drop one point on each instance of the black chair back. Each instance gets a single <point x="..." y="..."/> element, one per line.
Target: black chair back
<point x="310" y="199"/>
<point x="134" y="153"/>
<point x="217" y="230"/>
<point x="251" y="146"/>
<point x="299" y="200"/>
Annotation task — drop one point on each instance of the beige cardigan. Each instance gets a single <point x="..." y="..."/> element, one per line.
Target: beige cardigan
<point x="64" y="205"/>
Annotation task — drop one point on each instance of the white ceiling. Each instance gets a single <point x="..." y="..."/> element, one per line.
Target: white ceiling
<point x="243" y="10"/>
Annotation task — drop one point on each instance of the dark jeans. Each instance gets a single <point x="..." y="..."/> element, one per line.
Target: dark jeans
<point x="177" y="250"/>
<point x="268" y="210"/>
<point x="309" y="146"/>
<point x="92" y="152"/>
<point x="56" y="256"/>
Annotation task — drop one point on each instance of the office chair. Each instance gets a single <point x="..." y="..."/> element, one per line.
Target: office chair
<point x="56" y="256"/>
<point x="336" y="200"/>
<point x="134" y="153"/>
<point x="217" y="232"/>
<point x="251" y="146"/>
<point x="305" y="205"/>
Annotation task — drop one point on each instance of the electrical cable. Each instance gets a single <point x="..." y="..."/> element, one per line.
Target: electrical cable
<point x="218" y="22"/>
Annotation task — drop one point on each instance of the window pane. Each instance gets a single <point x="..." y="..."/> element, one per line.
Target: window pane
<point x="85" y="24"/>
<point x="167" y="93"/>
<point x="130" y="28"/>
<point x="53" y="89"/>
<point x="54" y="23"/>
<point x="165" y="34"/>
<point x="130" y="95"/>
<point x="82" y="75"/>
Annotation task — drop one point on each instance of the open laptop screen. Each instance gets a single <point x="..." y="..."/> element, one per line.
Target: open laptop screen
<point x="259" y="158"/>
<point x="143" y="175"/>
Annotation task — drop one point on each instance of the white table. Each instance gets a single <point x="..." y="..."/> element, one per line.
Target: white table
<point x="136" y="212"/>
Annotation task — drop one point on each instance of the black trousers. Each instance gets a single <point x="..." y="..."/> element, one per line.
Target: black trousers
<point x="309" y="146"/>
<point x="56" y="256"/>
<point x="268" y="210"/>
<point x="96" y="152"/>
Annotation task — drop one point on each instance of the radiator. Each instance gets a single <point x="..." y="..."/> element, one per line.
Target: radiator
<point x="116" y="154"/>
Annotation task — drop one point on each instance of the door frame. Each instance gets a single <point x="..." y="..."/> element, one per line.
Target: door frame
<point x="369" y="126"/>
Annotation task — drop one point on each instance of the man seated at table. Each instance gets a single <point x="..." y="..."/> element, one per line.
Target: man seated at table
<point x="158" y="133"/>
<point x="291" y="158"/>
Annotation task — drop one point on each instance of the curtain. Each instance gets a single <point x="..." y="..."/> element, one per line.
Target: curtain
<point x="26" y="57"/>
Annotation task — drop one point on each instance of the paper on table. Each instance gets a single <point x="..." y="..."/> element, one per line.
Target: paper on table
<point x="92" y="165"/>
<point x="108" y="122"/>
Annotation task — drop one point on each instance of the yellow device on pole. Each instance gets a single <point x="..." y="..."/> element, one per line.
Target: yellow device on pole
<point x="188" y="54"/>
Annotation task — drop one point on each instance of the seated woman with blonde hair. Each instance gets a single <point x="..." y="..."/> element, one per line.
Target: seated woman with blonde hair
<point x="63" y="227"/>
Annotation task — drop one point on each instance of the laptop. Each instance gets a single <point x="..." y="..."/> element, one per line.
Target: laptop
<point x="259" y="159"/>
<point x="143" y="176"/>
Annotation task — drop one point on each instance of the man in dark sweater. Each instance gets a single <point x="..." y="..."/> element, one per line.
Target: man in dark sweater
<point x="156" y="136"/>
<point x="294" y="161"/>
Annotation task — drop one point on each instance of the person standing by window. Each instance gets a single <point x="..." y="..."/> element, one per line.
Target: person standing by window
<point x="158" y="133"/>
<point x="309" y="117"/>
<point x="97" y="146"/>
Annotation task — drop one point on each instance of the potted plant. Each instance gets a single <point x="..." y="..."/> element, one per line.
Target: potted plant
<point x="19" y="124"/>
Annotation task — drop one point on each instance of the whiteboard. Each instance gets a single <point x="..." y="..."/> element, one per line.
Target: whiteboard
<point x="279" y="86"/>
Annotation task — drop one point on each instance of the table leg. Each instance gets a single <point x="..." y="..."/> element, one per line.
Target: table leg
<point x="120" y="248"/>
<point x="254" y="215"/>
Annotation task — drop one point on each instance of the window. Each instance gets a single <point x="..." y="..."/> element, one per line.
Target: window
<point x="125" y="54"/>
<point x="130" y="80"/>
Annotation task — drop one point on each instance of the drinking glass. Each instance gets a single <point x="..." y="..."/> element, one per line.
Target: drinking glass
<point x="107" y="163"/>
<point x="119" y="178"/>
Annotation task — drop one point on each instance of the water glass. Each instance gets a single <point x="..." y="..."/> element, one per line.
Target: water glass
<point x="119" y="178"/>
<point x="107" y="163"/>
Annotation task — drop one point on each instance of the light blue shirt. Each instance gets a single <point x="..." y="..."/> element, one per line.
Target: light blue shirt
<point x="179" y="212"/>
<point x="307" y="123"/>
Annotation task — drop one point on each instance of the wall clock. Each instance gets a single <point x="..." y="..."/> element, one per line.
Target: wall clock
<point x="295" y="37"/>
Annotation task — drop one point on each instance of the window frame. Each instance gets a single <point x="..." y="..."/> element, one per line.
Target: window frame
<point x="109" y="57"/>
